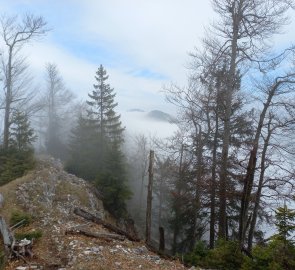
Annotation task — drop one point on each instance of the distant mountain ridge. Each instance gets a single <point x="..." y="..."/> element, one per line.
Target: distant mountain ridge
<point x="135" y="110"/>
<point x="161" y="116"/>
<point x="157" y="115"/>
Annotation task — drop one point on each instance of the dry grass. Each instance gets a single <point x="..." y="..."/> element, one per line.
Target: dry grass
<point x="54" y="245"/>
<point x="9" y="194"/>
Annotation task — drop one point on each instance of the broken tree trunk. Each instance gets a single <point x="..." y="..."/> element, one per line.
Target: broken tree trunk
<point x="149" y="199"/>
<point x="88" y="216"/>
<point x="106" y="236"/>
<point x="8" y="238"/>
<point x="14" y="248"/>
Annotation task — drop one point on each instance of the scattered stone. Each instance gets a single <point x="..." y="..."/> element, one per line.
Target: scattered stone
<point x="154" y="258"/>
<point x="21" y="268"/>
<point x="140" y="250"/>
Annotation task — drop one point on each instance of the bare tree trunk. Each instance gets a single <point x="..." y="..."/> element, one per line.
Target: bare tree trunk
<point x="15" y="35"/>
<point x="236" y="17"/>
<point x="213" y="186"/>
<point x="160" y="202"/>
<point x="249" y="178"/>
<point x="8" y="99"/>
<point x="105" y="236"/>
<point x="149" y="199"/>
<point x="176" y="226"/>
<point x="260" y="185"/>
<point x="197" y="202"/>
<point x="88" y="216"/>
<point x="162" y="240"/>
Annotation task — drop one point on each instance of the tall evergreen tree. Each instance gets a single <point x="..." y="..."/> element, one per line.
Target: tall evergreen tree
<point x="95" y="148"/>
<point x="101" y="112"/>
<point x="19" y="157"/>
<point x="21" y="134"/>
<point x="84" y="151"/>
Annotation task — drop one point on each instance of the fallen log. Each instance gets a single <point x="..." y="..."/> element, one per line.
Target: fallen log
<point x="107" y="236"/>
<point x="88" y="216"/>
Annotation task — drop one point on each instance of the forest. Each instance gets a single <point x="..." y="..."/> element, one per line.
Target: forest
<point x="221" y="189"/>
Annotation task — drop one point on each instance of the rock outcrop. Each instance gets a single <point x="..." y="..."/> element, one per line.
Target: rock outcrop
<point x="50" y="195"/>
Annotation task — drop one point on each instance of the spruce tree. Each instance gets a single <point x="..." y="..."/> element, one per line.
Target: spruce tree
<point x="95" y="147"/>
<point x="19" y="157"/>
<point x="84" y="151"/>
<point x="285" y="222"/>
<point x="21" y="134"/>
<point x="102" y="109"/>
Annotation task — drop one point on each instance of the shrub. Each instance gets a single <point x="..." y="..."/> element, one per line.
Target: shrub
<point x="114" y="194"/>
<point x="197" y="256"/>
<point x="226" y="256"/>
<point x="17" y="216"/>
<point x="35" y="234"/>
<point x="277" y="255"/>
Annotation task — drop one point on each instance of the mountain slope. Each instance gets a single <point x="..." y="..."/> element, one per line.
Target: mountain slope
<point x="50" y="195"/>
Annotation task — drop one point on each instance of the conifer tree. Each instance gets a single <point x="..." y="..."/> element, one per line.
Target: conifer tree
<point x="21" y="134"/>
<point x="95" y="148"/>
<point x="285" y="222"/>
<point x="102" y="109"/>
<point x="84" y="151"/>
<point x="19" y="157"/>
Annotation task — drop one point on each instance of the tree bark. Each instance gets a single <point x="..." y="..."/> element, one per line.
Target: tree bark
<point x="149" y="199"/>
<point x="8" y="99"/>
<point x="213" y="176"/>
<point x="107" y="236"/>
<point x="176" y="226"/>
<point x="88" y="216"/>
<point x="162" y="240"/>
<point x="249" y="178"/>
<point x="259" y="189"/>
<point x="236" y="17"/>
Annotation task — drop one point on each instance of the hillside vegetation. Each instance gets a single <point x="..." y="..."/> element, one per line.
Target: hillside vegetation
<point x="46" y="197"/>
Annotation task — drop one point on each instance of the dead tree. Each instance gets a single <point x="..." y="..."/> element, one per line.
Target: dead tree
<point x="15" y="35"/>
<point x="8" y="239"/>
<point x="279" y="86"/>
<point x="149" y="199"/>
<point x="105" y="236"/>
<point x="88" y="216"/>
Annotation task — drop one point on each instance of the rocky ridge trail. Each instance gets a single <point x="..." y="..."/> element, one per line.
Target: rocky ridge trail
<point x="50" y="195"/>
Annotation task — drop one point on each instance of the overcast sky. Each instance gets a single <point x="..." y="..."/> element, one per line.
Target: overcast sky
<point x="143" y="44"/>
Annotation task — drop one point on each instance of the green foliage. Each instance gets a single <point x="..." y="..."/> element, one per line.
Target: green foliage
<point x="285" y="221"/>
<point x="2" y="260"/>
<point x="94" y="149"/>
<point x="35" y="234"/>
<point x="198" y="255"/>
<point x="101" y="109"/>
<point x="85" y="151"/>
<point x="21" y="134"/>
<point x="226" y="256"/>
<point x="17" y="216"/>
<point x="19" y="157"/>
<point x="114" y="194"/>
<point x="277" y="255"/>
<point x="15" y="163"/>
